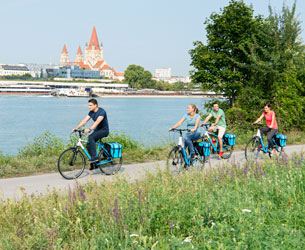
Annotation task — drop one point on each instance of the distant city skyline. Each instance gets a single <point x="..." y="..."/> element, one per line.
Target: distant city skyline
<point x="153" y="34"/>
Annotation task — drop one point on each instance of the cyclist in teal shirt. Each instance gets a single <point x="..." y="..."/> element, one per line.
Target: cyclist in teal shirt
<point x="192" y="119"/>
<point x="219" y="124"/>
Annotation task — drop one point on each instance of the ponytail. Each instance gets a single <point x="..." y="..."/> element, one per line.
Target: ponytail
<point x="196" y="110"/>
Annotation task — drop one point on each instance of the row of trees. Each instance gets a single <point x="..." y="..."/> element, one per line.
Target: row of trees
<point x="254" y="60"/>
<point x="137" y="77"/>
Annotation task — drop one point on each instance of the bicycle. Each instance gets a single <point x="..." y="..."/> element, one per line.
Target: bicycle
<point x="228" y="142"/>
<point x="178" y="160"/>
<point x="256" y="144"/>
<point x="71" y="162"/>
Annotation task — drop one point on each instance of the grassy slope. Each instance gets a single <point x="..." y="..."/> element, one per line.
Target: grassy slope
<point x="255" y="206"/>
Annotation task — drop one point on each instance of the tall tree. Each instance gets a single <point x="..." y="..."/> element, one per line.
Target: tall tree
<point x="216" y="64"/>
<point x="276" y="59"/>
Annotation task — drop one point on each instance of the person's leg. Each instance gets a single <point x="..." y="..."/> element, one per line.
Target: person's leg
<point x="188" y="141"/>
<point x="96" y="135"/>
<point x="264" y="131"/>
<point x="272" y="133"/>
<point x="221" y="132"/>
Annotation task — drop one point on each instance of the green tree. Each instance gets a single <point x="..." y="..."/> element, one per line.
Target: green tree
<point x="216" y="65"/>
<point x="276" y="59"/>
<point x="137" y="77"/>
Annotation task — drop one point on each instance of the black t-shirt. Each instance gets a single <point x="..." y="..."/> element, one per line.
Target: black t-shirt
<point x="104" y="123"/>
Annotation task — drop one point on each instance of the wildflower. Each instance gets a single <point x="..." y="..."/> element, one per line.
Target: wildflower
<point x="134" y="235"/>
<point x="188" y="239"/>
<point x="232" y="229"/>
<point x="213" y="224"/>
<point x="171" y="226"/>
<point x="245" y="170"/>
<point x="246" y="210"/>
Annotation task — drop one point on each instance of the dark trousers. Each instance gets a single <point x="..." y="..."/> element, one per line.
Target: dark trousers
<point x="96" y="135"/>
<point x="272" y="133"/>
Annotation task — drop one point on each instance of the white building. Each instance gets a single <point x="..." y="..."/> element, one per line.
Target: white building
<point x="7" y="70"/>
<point x="163" y="73"/>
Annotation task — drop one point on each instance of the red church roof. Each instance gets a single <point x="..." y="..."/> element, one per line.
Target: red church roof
<point x="98" y="64"/>
<point x="106" y="66"/>
<point x="64" y="50"/>
<point x="94" y="40"/>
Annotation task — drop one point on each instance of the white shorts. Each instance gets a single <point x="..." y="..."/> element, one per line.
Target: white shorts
<point x="221" y="130"/>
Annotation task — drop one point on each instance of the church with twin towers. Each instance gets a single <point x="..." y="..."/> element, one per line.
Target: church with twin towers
<point x="92" y="60"/>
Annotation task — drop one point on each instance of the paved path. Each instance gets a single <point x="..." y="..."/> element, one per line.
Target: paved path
<point x="42" y="184"/>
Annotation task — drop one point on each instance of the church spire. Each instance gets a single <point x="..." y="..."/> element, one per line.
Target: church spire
<point x="79" y="51"/>
<point x="94" y="40"/>
<point x="64" y="50"/>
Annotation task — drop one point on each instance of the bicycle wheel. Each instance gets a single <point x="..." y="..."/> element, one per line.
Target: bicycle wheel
<point x="252" y="149"/>
<point x="227" y="150"/>
<point x="71" y="163"/>
<point x="112" y="167"/>
<point x="175" y="161"/>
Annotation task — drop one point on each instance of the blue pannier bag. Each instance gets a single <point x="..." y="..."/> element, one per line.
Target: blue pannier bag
<point x="230" y="139"/>
<point x="205" y="147"/>
<point x="281" y="140"/>
<point x="115" y="149"/>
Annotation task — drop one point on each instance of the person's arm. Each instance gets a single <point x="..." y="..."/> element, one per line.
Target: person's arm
<point x="94" y="125"/>
<point x="260" y="118"/>
<point x="82" y="123"/>
<point x="206" y="119"/>
<point x="177" y="124"/>
<point x="196" y="125"/>
<point x="217" y="120"/>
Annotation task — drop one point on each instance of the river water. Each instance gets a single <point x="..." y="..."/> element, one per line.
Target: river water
<point x="144" y="119"/>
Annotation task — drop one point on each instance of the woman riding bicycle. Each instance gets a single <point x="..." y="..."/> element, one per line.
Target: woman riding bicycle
<point x="271" y="125"/>
<point x="192" y="119"/>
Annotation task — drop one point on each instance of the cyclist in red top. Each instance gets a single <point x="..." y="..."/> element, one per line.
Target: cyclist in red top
<point x="271" y="124"/>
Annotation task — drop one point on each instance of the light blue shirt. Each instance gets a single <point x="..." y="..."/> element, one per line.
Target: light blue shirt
<point x="191" y="121"/>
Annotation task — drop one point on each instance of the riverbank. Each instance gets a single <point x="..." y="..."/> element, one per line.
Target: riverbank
<point x="41" y="155"/>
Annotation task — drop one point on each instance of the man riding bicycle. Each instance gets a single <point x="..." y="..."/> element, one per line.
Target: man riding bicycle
<point x="100" y="127"/>
<point x="220" y="124"/>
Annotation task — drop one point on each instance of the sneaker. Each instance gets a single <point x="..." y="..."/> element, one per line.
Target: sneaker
<point x="93" y="166"/>
<point x="220" y="154"/>
<point x="272" y="152"/>
<point x="193" y="158"/>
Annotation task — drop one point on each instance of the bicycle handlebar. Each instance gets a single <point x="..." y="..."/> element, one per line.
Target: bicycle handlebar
<point x="180" y="130"/>
<point x="207" y="125"/>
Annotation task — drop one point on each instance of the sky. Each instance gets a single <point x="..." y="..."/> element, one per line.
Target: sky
<point x="150" y="33"/>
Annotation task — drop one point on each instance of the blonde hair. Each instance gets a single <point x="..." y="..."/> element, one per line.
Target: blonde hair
<point x="195" y="108"/>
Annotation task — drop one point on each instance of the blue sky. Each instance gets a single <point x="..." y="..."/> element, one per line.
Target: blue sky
<point x="150" y="33"/>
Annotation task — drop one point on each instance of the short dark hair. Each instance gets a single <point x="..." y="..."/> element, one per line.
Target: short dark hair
<point x="94" y="101"/>
<point x="214" y="104"/>
<point x="268" y="105"/>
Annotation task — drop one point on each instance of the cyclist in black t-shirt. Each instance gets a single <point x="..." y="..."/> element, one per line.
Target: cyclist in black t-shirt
<point x="100" y="127"/>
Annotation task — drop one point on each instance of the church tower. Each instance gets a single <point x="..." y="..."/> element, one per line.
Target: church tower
<point x="64" y="57"/>
<point x="93" y="52"/>
<point x="79" y="55"/>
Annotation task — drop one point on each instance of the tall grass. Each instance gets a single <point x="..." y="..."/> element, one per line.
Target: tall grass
<point x="253" y="206"/>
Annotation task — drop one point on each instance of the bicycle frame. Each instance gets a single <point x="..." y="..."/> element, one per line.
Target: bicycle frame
<point x="265" y="148"/>
<point x="187" y="160"/>
<point x="99" y="148"/>
<point x="207" y="135"/>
